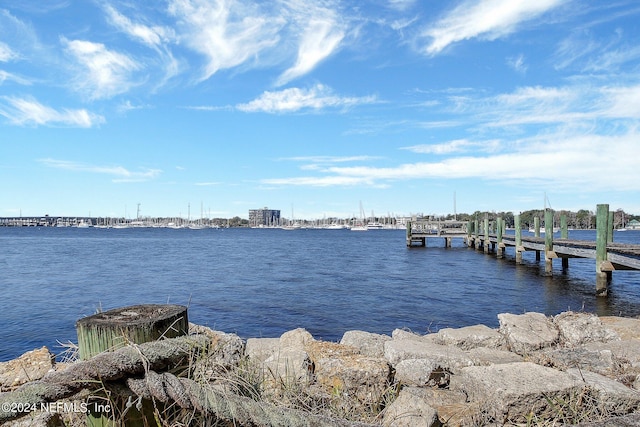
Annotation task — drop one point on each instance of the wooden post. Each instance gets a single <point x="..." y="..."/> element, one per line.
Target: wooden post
<point x="486" y="234"/>
<point x="536" y="230"/>
<point x="518" y="239"/>
<point x="408" y="233"/>
<point x="564" y="234"/>
<point x="469" y="232"/>
<point x="116" y="328"/>
<point x="548" y="241"/>
<point x="476" y="228"/>
<point x="602" y="228"/>
<point x="499" y="231"/>
<point x="610" y="228"/>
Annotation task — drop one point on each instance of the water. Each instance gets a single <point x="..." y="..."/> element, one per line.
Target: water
<point x="261" y="282"/>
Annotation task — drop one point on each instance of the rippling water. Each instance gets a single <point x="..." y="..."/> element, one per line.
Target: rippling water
<point x="262" y="282"/>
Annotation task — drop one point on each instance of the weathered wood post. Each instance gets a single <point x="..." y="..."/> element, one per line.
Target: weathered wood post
<point x="610" y="228"/>
<point x="110" y="330"/>
<point x="476" y="228"/>
<point x="409" y="233"/>
<point x="548" y="241"/>
<point x="469" y="232"/>
<point x="499" y="231"/>
<point x="519" y="248"/>
<point x="602" y="228"/>
<point x="564" y="234"/>
<point x="486" y="233"/>
<point x="536" y="231"/>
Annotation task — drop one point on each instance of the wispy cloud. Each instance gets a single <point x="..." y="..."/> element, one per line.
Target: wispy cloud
<point x="6" y="53"/>
<point x="321" y="31"/>
<point x="156" y="37"/>
<point x="294" y="99"/>
<point x="152" y="36"/>
<point x="456" y="146"/>
<point x="226" y="32"/>
<point x="29" y="112"/>
<point x="518" y="63"/>
<point x="120" y="173"/>
<point x="486" y="19"/>
<point x="100" y="72"/>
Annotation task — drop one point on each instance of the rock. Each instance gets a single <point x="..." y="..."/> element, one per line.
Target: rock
<point x="410" y="409"/>
<point x="226" y="349"/>
<point x="260" y="349"/>
<point x="527" y="332"/>
<point x="447" y="357"/>
<point x="612" y="397"/>
<point x="367" y="343"/>
<point x="288" y="366"/>
<point x="451" y="406"/>
<point x="625" y="327"/>
<point x="624" y="352"/>
<point x="421" y="373"/>
<point x="490" y="356"/>
<point x="470" y="337"/>
<point x="402" y="334"/>
<point x="579" y="328"/>
<point x="296" y="339"/>
<point x="31" y="366"/>
<point x="601" y="361"/>
<point x="510" y="391"/>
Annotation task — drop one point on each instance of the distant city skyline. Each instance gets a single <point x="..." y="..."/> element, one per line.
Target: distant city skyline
<point x="317" y="107"/>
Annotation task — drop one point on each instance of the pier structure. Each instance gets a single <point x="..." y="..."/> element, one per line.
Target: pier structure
<point x="491" y="237"/>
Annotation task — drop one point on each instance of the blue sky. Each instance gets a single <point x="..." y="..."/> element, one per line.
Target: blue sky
<point x="317" y="106"/>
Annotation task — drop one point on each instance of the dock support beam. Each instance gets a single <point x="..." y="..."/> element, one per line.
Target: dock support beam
<point x="486" y="234"/>
<point x="602" y="231"/>
<point x="564" y="234"/>
<point x="536" y="229"/>
<point x="548" y="241"/>
<point x="499" y="231"/>
<point x="519" y="248"/>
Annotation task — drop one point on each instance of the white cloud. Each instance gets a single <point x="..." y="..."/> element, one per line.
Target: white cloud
<point x="518" y="63"/>
<point x="456" y="146"/>
<point x="102" y="73"/>
<point x="321" y="34"/>
<point x="6" y="54"/>
<point x="227" y="32"/>
<point x="294" y="99"/>
<point x="487" y="19"/>
<point x="27" y="111"/>
<point x="152" y="36"/>
<point x="120" y="173"/>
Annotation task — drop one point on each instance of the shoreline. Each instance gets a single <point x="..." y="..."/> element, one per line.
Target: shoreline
<point x="522" y="370"/>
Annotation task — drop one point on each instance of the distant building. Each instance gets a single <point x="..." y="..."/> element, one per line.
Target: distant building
<point x="264" y="217"/>
<point x="633" y="225"/>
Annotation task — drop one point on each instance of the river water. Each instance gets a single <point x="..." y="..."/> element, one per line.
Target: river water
<point x="263" y="282"/>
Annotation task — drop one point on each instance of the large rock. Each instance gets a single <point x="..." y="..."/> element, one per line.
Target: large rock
<point x="601" y="361"/>
<point x="448" y="357"/>
<point x="626" y="328"/>
<point x="579" y="328"/>
<point x="626" y="351"/>
<point x="471" y="337"/>
<point x="31" y="366"/>
<point x="410" y="409"/>
<point x="525" y="333"/>
<point x="367" y="343"/>
<point x="260" y="349"/>
<point x="422" y="373"/>
<point x="296" y="339"/>
<point x="509" y="392"/>
<point x="288" y="367"/>
<point x="226" y="350"/>
<point x="491" y="356"/>
<point x="611" y="397"/>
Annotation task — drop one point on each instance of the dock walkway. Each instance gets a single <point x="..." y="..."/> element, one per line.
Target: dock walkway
<point x="491" y="237"/>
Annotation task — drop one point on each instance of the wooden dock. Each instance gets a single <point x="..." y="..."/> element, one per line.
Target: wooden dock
<point x="490" y="236"/>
